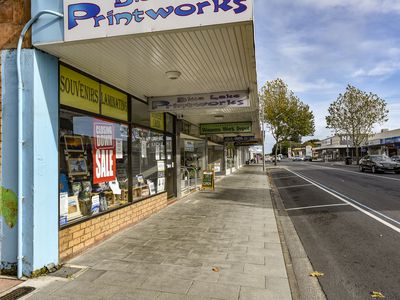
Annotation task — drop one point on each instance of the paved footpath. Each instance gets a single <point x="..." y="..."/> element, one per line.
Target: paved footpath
<point x="210" y="245"/>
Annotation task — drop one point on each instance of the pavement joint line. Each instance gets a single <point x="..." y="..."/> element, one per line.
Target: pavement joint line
<point x="352" y="202"/>
<point x="317" y="206"/>
<point x="359" y="173"/>
<point x="293" y="186"/>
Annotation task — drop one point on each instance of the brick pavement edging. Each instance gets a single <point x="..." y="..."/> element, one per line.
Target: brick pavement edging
<point x="75" y="239"/>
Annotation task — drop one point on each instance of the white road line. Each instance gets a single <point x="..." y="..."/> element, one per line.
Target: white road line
<point x="317" y="206"/>
<point x="356" y="172"/>
<point x="352" y="203"/>
<point x="284" y="177"/>
<point x="293" y="186"/>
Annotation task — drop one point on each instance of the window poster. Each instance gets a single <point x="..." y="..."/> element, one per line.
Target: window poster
<point x="151" y="187"/>
<point x="95" y="204"/>
<point x="63" y="208"/>
<point x="104" y="152"/>
<point x="160" y="166"/>
<point x="144" y="149"/>
<point x="157" y="152"/>
<point x="160" y="185"/>
<point x="118" y="146"/>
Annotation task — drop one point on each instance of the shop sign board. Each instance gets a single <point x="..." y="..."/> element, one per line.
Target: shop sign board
<point x="208" y="180"/>
<point x="217" y="128"/>
<point x="392" y="140"/>
<point x="106" y="18"/>
<point x="157" y="121"/>
<point x="239" y="139"/>
<point x="104" y="153"/>
<point x="114" y="103"/>
<point x="78" y="91"/>
<point x="202" y="101"/>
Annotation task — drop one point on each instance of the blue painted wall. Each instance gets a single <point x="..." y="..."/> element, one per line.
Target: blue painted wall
<point x="9" y="105"/>
<point x="40" y="207"/>
<point x="47" y="28"/>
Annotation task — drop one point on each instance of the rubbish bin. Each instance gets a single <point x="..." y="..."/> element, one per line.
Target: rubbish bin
<point x="348" y="160"/>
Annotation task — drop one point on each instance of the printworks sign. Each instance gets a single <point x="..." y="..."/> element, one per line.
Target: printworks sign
<point x="104" y="155"/>
<point x="205" y="101"/>
<point x="105" y="18"/>
<point x="217" y="128"/>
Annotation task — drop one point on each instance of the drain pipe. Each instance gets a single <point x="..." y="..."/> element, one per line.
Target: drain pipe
<point x="21" y="131"/>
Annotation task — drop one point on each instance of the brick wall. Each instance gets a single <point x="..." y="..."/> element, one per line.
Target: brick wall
<point x="75" y="239"/>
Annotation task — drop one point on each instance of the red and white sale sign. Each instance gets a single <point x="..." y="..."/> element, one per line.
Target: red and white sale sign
<point x="104" y="154"/>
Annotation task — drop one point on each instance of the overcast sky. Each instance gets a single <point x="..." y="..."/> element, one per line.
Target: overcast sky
<point x="319" y="46"/>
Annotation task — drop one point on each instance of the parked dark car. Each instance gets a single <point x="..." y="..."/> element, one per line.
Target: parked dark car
<point x="379" y="163"/>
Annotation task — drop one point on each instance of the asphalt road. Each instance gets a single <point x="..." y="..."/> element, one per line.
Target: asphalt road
<point x="349" y="224"/>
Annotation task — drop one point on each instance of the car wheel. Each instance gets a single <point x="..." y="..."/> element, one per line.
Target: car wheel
<point x="361" y="168"/>
<point x="373" y="170"/>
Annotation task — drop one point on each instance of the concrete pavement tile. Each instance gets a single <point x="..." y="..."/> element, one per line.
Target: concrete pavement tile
<point x="280" y="287"/>
<point x="87" y="290"/>
<point x="247" y="293"/>
<point x="91" y="275"/>
<point x="269" y="237"/>
<point x="276" y="267"/>
<point x="242" y="279"/>
<point x="214" y="290"/>
<point x="137" y="294"/>
<point x="150" y="257"/>
<point x="166" y="283"/>
<point x="169" y="296"/>
<point x="122" y="279"/>
<point x="233" y="267"/>
<point x="250" y="259"/>
<point x="266" y="252"/>
<point x="257" y="269"/>
<point x="182" y="262"/>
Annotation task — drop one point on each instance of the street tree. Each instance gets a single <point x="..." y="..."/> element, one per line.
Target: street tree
<point x="354" y="115"/>
<point x="286" y="117"/>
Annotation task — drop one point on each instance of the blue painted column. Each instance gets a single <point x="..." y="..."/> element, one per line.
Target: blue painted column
<point x="40" y="207"/>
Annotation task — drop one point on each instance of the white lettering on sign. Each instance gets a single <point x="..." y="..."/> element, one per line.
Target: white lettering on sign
<point x="104" y="154"/>
<point x="204" y="101"/>
<point x="99" y="18"/>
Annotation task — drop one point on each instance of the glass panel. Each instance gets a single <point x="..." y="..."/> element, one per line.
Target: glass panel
<point x="93" y="163"/>
<point x="140" y="113"/>
<point x="148" y="162"/>
<point x="169" y="121"/>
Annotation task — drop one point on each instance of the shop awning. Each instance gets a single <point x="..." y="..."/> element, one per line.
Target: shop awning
<point x="216" y="58"/>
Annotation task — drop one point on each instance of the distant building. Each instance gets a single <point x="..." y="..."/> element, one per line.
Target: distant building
<point x="386" y="142"/>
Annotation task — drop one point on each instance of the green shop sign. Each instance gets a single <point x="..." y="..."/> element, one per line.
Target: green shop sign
<point x="240" y="127"/>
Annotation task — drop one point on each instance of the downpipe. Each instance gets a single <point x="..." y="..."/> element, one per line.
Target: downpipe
<point x="21" y="141"/>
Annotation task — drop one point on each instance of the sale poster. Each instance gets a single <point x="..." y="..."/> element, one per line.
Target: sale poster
<point x="104" y="152"/>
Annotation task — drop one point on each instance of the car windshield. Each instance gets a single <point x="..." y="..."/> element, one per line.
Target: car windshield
<point x="380" y="158"/>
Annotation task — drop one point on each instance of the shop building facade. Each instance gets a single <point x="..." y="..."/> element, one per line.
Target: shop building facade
<point x="385" y="142"/>
<point x="115" y="116"/>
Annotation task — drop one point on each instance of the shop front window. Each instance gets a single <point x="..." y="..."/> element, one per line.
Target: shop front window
<point x="93" y="165"/>
<point x="148" y="162"/>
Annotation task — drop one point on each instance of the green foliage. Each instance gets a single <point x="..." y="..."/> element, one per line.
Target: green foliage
<point x="354" y="114"/>
<point x="285" y="115"/>
<point x="8" y="206"/>
<point x="284" y="146"/>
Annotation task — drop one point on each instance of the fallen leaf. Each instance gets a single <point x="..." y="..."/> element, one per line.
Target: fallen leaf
<point x="377" y="295"/>
<point x="316" y="274"/>
<point x="215" y="269"/>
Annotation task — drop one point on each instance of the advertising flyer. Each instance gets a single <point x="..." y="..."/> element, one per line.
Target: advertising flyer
<point x="104" y="152"/>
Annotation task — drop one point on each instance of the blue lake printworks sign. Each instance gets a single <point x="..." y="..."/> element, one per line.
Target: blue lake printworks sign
<point x="205" y="101"/>
<point x="105" y="18"/>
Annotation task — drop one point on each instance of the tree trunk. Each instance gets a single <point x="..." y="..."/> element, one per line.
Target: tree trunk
<point x="357" y="156"/>
<point x="276" y="154"/>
